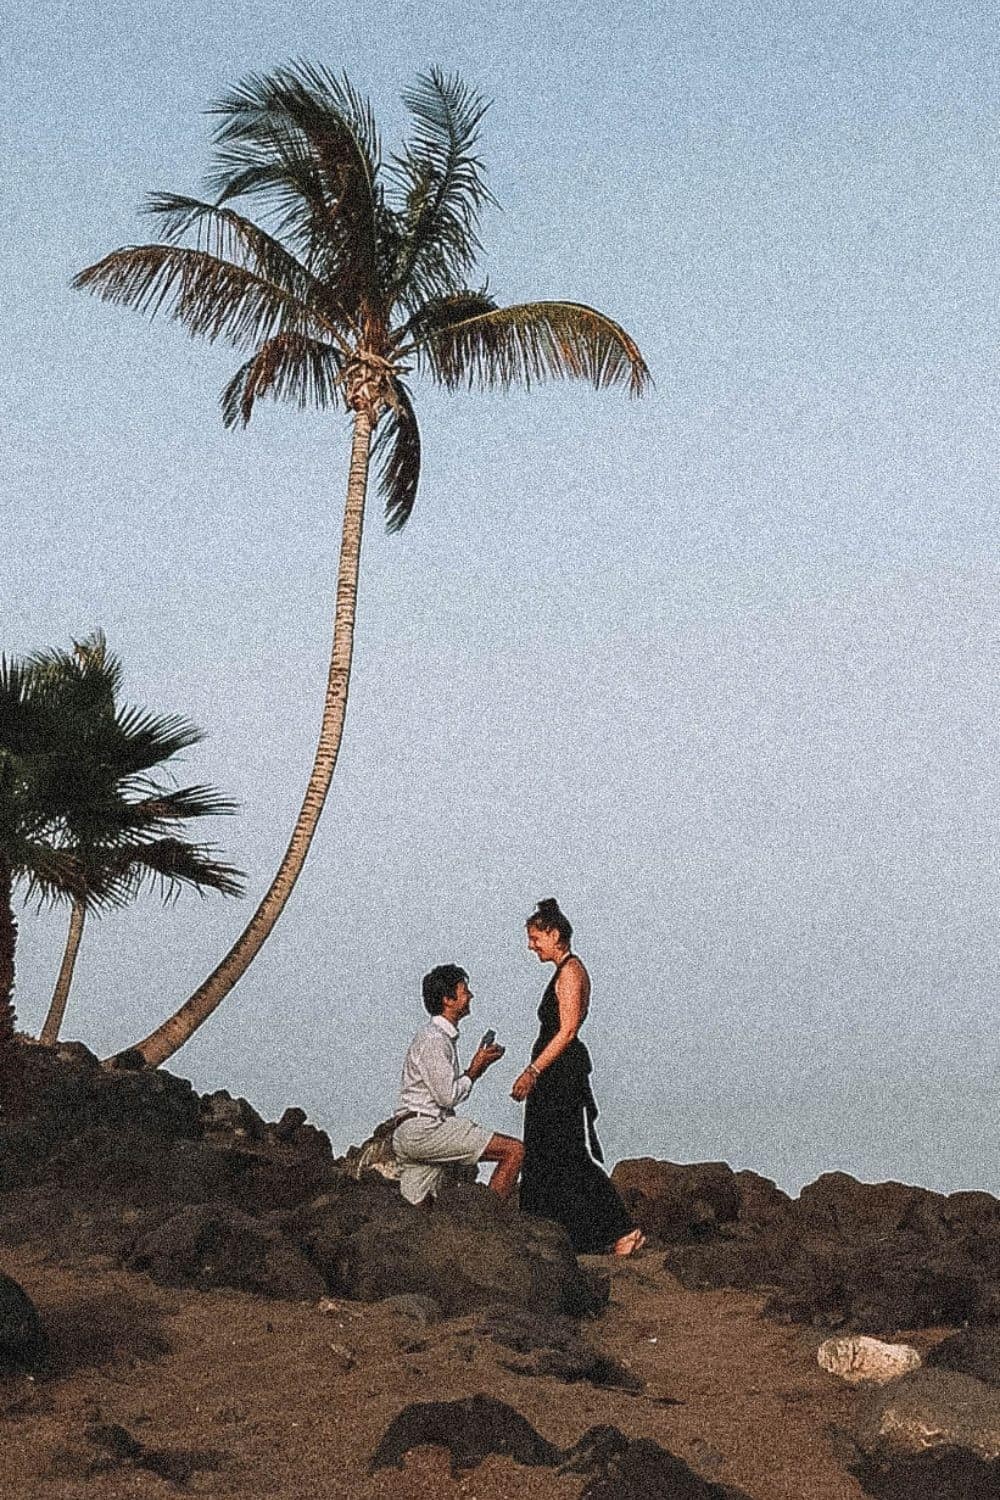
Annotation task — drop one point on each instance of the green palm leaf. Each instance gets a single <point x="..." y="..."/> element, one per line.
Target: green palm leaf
<point x="534" y="341"/>
<point x="396" y="453"/>
<point x="440" y="179"/>
<point x="290" y="366"/>
<point x="230" y="236"/>
<point x="305" y="142"/>
<point x="210" y="297"/>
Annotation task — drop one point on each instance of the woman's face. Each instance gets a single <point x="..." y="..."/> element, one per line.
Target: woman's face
<point x="544" y="943"/>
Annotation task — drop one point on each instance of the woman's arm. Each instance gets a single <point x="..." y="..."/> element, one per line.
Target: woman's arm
<point x="573" y="997"/>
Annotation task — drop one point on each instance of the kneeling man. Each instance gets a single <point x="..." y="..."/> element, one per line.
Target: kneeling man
<point x="429" y="1134"/>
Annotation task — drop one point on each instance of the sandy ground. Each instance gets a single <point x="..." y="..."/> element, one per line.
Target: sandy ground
<point x="279" y="1399"/>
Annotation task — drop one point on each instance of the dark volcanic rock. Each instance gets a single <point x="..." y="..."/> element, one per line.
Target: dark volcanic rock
<point x="641" y="1470"/>
<point x="673" y="1202"/>
<point x="930" y="1409"/>
<point x="874" y="1257"/>
<point x="615" y="1467"/>
<point x="471" y="1252"/>
<point x="973" y="1351"/>
<point x="212" y="1245"/>
<point x="941" y="1474"/>
<point x="470" y="1429"/>
<point x="555" y="1348"/>
<point x="23" y="1341"/>
<point x="931" y="1435"/>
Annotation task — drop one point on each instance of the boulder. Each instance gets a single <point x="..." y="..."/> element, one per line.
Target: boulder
<point x="859" y="1359"/>
<point x="871" y="1257"/>
<point x="934" y="1435"/>
<point x="212" y="1245"/>
<point x="639" y="1469"/>
<point x="470" y="1252"/>
<point x="23" y="1341"/>
<point x="471" y="1429"/>
<point x="931" y="1409"/>
<point x="229" y="1119"/>
<point x="615" y="1467"/>
<point x="838" y="1206"/>
<point x="973" y="1351"/>
<point x="674" y="1202"/>
<point x="762" y="1203"/>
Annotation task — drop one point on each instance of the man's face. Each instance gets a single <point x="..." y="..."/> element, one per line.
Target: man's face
<point x="458" y="1005"/>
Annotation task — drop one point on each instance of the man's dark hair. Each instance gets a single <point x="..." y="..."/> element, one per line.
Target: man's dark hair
<point x="439" y="984"/>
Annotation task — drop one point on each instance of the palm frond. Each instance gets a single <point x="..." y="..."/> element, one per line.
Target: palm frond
<point x="530" y="342"/>
<point x="441" y="312"/>
<point x="440" y="179"/>
<point x="396" y="454"/>
<point x="304" y="141"/>
<point x="212" y="298"/>
<point x="175" y="863"/>
<point x="231" y="236"/>
<point x="159" y="807"/>
<point x="290" y="366"/>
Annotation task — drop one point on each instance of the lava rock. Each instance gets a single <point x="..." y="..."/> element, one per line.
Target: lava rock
<point x="973" y="1351"/>
<point x="470" y="1429"/>
<point x="24" y="1344"/>
<point x="642" y="1470"/>
<point x="471" y="1252"/>
<point x="930" y="1409"/>
<point x="673" y="1202"/>
<point x="556" y="1348"/>
<point x="211" y="1245"/>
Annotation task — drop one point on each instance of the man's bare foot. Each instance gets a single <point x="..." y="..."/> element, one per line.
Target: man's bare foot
<point x="629" y="1243"/>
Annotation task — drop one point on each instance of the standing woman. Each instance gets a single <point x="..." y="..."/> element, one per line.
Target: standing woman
<point x="560" y="1178"/>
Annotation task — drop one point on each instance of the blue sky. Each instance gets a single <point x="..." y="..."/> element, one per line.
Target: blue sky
<point x="718" y="668"/>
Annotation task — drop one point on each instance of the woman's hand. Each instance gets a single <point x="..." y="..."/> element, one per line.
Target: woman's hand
<point x="523" y="1085"/>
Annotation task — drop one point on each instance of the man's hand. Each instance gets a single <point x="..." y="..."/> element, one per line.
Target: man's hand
<point x="483" y="1058"/>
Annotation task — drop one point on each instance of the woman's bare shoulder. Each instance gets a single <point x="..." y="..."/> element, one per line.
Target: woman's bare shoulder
<point x="573" y="974"/>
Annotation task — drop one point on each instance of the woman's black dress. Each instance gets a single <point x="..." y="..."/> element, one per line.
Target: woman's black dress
<point x="560" y="1178"/>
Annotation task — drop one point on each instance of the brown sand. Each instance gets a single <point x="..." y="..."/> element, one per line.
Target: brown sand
<point x="278" y="1399"/>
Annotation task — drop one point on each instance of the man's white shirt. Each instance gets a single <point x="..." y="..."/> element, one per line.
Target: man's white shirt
<point x="431" y="1083"/>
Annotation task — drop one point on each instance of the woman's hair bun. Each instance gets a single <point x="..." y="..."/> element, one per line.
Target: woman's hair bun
<point x="548" y="916"/>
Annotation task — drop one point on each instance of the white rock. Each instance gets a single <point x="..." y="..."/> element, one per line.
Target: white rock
<point x="857" y="1358"/>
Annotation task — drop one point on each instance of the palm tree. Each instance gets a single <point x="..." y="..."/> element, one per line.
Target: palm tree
<point x="34" y="807"/>
<point x="355" y="272"/>
<point x="127" y="824"/>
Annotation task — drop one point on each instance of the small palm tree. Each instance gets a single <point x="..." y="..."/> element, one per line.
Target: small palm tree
<point x="355" y="272"/>
<point x="127" y="824"/>
<point x="34" y="809"/>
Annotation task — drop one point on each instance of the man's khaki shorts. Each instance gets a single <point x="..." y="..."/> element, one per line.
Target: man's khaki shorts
<point x="423" y="1147"/>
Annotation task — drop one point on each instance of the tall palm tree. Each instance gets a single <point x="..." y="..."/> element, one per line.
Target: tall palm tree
<point x="355" y="271"/>
<point x="127" y="828"/>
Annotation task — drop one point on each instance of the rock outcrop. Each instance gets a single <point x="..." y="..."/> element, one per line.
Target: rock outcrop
<point x="614" y="1466"/>
<point x="844" y="1254"/>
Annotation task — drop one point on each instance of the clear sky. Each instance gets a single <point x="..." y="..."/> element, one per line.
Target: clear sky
<point x="718" y="668"/>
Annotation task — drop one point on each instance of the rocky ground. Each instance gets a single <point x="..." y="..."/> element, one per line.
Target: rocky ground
<point x="222" y="1308"/>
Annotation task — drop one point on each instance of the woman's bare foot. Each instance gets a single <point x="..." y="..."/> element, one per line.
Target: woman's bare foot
<point x="629" y="1243"/>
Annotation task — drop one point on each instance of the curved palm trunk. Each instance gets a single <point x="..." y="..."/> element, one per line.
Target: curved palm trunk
<point x="8" y="944"/>
<point x="9" y="1092"/>
<point x="57" y="1005"/>
<point x="165" y="1040"/>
